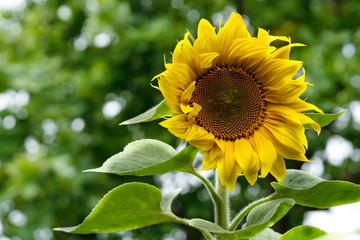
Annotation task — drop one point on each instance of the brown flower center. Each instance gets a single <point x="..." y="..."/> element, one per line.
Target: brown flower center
<point x="232" y="103"/>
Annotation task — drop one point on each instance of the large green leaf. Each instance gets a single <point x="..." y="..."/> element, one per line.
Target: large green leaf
<point x="129" y="206"/>
<point x="147" y="157"/>
<point x="267" y="234"/>
<point x="311" y="191"/>
<point x="259" y="218"/>
<point x="322" y="119"/>
<point x="159" y="111"/>
<point x="303" y="232"/>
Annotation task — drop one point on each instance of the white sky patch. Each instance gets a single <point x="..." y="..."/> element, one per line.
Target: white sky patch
<point x="9" y="122"/>
<point x="81" y="43"/>
<point x="49" y="127"/>
<point x="111" y="108"/>
<point x="341" y="219"/>
<point x="17" y="218"/>
<point x="31" y="145"/>
<point x="193" y="15"/>
<point x="171" y="181"/>
<point x="177" y="3"/>
<point x="337" y="150"/>
<point x="78" y="124"/>
<point x="314" y="168"/>
<point x="356" y="155"/>
<point x="355" y="112"/>
<point x="43" y="234"/>
<point x="64" y="12"/>
<point x="343" y="121"/>
<point x="355" y="81"/>
<point x="102" y="40"/>
<point x="348" y="50"/>
<point x="11" y="5"/>
<point x="14" y="100"/>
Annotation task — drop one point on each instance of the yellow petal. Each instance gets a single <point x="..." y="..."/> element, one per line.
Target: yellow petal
<point x="186" y="96"/>
<point x="171" y="94"/>
<point x="265" y="151"/>
<point x="287" y="146"/>
<point x="210" y="158"/>
<point x="178" y="56"/>
<point x="292" y="135"/>
<point x="206" y="41"/>
<point x="244" y="154"/>
<point x="200" y="138"/>
<point x="251" y="177"/>
<point x="284" y="52"/>
<point x="177" y="125"/>
<point x="226" y="163"/>
<point x="300" y="105"/>
<point x="306" y="120"/>
<point x="264" y="38"/>
<point x="282" y="113"/>
<point x="206" y="59"/>
<point x="278" y="170"/>
<point x="191" y="56"/>
<point x="233" y="177"/>
<point x="234" y="28"/>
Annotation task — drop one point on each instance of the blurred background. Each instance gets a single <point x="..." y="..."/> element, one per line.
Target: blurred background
<point x="70" y="71"/>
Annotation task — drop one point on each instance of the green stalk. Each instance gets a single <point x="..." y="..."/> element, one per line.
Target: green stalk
<point x="207" y="235"/>
<point x="245" y="210"/>
<point x="215" y="197"/>
<point x="222" y="206"/>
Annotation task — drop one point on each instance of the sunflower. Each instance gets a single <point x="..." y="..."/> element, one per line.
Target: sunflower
<point x="235" y="98"/>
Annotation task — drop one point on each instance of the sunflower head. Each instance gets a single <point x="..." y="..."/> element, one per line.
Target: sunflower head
<point x="235" y="98"/>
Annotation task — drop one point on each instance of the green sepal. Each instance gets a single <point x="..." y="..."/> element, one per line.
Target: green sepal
<point x="159" y="111"/>
<point x="147" y="157"/>
<point x="303" y="232"/>
<point x="311" y="191"/>
<point x="259" y="218"/>
<point x="322" y="119"/>
<point x="129" y="206"/>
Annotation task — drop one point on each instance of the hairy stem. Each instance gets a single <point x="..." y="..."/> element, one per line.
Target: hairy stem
<point x="207" y="235"/>
<point x="222" y="206"/>
<point x="215" y="197"/>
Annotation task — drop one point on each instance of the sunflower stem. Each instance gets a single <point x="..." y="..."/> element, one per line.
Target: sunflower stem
<point x="207" y="235"/>
<point x="249" y="207"/>
<point x="215" y="197"/>
<point x="222" y="206"/>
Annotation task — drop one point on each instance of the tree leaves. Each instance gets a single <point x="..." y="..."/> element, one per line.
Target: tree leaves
<point x="147" y="157"/>
<point x="322" y="119"/>
<point x="311" y="191"/>
<point x="159" y="111"/>
<point x="129" y="206"/>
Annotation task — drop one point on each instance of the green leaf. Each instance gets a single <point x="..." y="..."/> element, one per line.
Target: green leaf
<point x="267" y="234"/>
<point x="159" y="111"/>
<point x="259" y="218"/>
<point x="147" y="157"/>
<point x="333" y="236"/>
<point x="303" y="232"/>
<point x="322" y="119"/>
<point x="267" y="214"/>
<point x="129" y="206"/>
<point x="311" y="191"/>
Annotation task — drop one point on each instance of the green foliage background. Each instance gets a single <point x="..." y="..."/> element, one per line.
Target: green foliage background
<point x="54" y="59"/>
